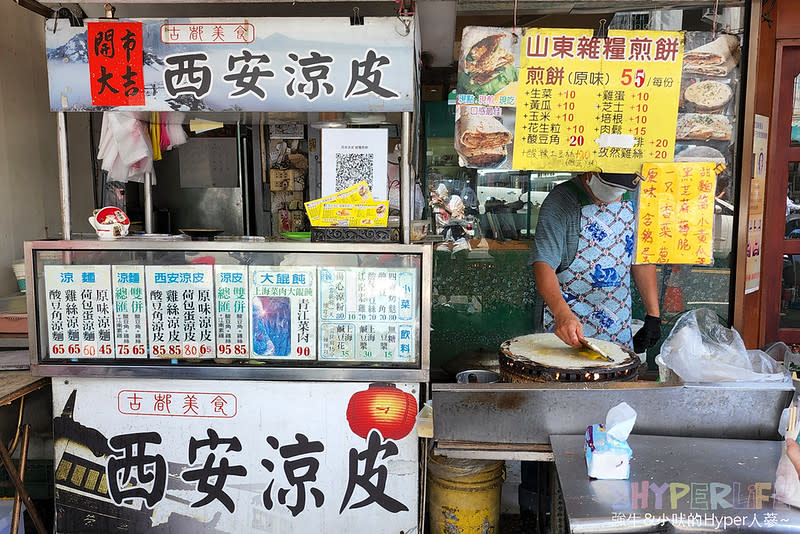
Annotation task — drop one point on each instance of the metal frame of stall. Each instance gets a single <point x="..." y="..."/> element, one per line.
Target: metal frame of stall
<point x="420" y="375"/>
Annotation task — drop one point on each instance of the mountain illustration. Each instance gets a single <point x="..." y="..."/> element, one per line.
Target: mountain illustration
<point x="76" y="49"/>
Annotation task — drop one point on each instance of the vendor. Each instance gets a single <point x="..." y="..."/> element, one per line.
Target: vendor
<point x="582" y="262"/>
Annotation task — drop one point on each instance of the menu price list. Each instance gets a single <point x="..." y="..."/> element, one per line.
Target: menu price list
<point x="231" y="311"/>
<point x="367" y="314"/>
<point x="587" y="103"/>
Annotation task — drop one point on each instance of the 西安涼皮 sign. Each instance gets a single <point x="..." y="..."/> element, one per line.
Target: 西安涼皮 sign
<point x="225" y="64"/>
<point x="209" y="456"/>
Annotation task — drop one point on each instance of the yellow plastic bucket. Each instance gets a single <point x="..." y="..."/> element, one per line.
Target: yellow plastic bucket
<point x="464" y="495"/>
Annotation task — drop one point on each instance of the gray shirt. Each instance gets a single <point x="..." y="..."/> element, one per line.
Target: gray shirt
<point x="557" y="233"/>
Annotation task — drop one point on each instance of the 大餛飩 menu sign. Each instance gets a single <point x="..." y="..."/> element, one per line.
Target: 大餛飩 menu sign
<point x="585" y="103"/>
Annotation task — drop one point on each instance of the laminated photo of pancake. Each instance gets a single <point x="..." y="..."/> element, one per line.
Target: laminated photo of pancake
<point x="716" y="58"/>
<point x="481" y="141"/>
<point x="707" y="96"/>
<point x="703" y="127"/>
<point x="699" y="153"/>
<point x="486" y="65"/>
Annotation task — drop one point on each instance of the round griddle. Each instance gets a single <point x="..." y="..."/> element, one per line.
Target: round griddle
<point x="515" y="367"/>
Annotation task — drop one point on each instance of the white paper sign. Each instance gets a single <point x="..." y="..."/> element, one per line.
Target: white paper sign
<point x="233" y="338"/>
<point x="130" y="312"/>
<point x="283" y="314"/>
<point x="203" y="456"/>
<point x="79" y="311"/>
<point x="367" y="314"/>
<point x="352" y="155"/>
<point x="180" y="311"/>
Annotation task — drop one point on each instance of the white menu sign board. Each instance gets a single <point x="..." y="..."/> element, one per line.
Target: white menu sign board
<point x="283" y="312"/>
<point x="180" y="311"/>
<point x="367" y="314"/>
<point x="79" y="314"/>
<point x="130" y="313"/>
<point x="231" y="306"/>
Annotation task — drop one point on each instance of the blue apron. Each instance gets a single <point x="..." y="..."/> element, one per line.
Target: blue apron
<point x="596" y="285"/>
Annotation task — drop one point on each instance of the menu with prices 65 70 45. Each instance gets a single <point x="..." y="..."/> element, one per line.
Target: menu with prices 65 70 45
<point x="597" y="104"/>
<point x="283" y="312"/>
<point x="180" y="311"/>
<point x="367" y="314"/>
<point x="79" y="311"/>
<point x="130" y="312"/>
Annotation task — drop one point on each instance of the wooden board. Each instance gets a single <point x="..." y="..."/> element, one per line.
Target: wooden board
<point x="15" y="384"/>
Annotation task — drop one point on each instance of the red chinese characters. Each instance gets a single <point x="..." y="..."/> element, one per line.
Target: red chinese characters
<point x="177" y="404"/>
<point x="115" y="63"/>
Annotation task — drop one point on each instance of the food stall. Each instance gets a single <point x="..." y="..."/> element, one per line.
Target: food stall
<point x="237" y="383"/>
<point x="533" y="108"/>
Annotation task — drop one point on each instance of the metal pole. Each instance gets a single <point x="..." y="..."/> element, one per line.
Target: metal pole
<point x="148" y="203"/>
<point x="406" y="184"/>
<point x="63" y="176"/>
<point x="23" y="460"/>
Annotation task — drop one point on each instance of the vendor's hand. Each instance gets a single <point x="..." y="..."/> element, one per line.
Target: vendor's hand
<point x="569" y="329"/>
<point x="793" y="453"/>
<point x="648" y="335"/>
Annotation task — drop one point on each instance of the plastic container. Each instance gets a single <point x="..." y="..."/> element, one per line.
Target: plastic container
<point x="464" y="495"/>
<point x="19" y="272"/>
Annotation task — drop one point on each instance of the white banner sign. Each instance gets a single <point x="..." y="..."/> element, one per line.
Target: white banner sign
<point x="195" y="457"/>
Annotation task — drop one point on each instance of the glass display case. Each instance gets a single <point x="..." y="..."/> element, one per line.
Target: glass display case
<point x="192" y="309"/>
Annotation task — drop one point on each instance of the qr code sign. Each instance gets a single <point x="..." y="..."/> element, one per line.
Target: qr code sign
<point x="353" y="168"/>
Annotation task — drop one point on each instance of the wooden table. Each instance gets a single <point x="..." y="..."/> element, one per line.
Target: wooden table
<point x="17" y="384"/>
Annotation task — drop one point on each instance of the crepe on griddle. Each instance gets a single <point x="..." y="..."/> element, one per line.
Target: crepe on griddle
<point x="548" y="349"/>
<point x="487" y="59"/>
<point x="716" y="58"/>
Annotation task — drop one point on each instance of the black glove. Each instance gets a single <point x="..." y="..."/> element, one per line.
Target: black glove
<point x="648" y="335"/>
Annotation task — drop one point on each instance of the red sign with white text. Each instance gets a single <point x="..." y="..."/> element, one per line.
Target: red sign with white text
<point x="115" y="63"/>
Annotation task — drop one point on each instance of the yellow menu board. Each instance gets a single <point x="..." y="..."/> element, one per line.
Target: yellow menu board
<point x="597" y="104"/>
<point x="675" y="212"/>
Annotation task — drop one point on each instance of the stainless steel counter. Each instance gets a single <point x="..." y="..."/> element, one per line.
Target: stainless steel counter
<point x="530" y="413"/>
<point x="677" y="484"/>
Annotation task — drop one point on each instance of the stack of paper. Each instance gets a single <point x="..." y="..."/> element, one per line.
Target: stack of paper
<point x="353" y="206"/>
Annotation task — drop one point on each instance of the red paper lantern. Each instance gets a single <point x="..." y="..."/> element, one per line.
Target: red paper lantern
<point x="383" y="407"/>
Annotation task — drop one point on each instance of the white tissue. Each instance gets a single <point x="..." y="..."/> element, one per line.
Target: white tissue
<point x="608" y="454"/>
<point x="620" y="420"/>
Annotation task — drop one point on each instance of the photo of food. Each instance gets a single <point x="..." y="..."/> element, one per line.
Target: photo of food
<point x="716" y="58"/>
<point x="272" y="326"/>
<point x="481" y="140"/>
<point x="703" y="127"/>
<point x="487" y="66"/>
<point x="707" y="96"/>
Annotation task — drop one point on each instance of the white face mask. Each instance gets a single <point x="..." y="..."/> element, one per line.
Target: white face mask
<point x="603" y="191"/>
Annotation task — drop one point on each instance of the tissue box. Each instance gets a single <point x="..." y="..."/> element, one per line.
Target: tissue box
<point x="606" y="457"/>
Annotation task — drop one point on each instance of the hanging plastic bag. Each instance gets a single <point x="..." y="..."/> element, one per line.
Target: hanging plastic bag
<point x="700" y="349"/>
